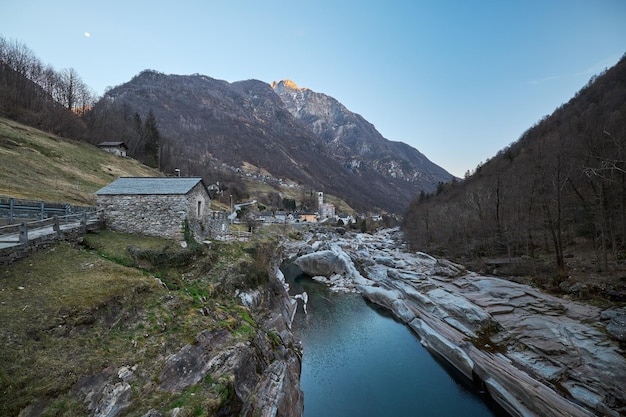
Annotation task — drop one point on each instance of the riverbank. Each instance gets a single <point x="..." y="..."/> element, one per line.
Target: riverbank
<point x="535" y="354"/>
<point x="360" y="361"/>
<point x="129" y="325"/>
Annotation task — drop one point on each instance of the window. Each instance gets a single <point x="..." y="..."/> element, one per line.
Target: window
<point x="199" y="208"/>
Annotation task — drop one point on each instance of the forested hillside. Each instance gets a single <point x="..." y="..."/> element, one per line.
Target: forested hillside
<point x="559" y="190"/>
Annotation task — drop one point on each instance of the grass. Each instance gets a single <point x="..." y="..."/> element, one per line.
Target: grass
<point x="42" y="166"/>
<point x="70" y="311"/>
<point x="54" y="307"/>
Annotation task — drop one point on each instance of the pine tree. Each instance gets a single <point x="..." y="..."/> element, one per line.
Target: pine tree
<point x="152" y="141"/>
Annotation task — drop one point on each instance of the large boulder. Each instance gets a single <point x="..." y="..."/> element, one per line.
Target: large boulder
<point x="325" y="263"/>
<point x="617" y="323"/>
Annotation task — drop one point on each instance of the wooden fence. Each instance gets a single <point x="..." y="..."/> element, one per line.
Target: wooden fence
<point x="12" y="210"/>
<point x="52" y="227"/>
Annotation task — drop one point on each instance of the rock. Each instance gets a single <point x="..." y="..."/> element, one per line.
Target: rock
<point x="617" y="326"/>
<point x="104" y="394"/>
<point x="113" y="399"/>
<point x="519" y="341"/>
<point x="333" y="267"/>
<point x="324" y="263"/>
<point x="126" y="373"/>
<point x="439" y="344"/>
<point x="578" y="289"/>
<point x="187" y="367"/>
<point x="153" y="413"/>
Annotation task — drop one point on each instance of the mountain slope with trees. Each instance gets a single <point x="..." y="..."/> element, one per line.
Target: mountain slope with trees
<point x="218" y="130"/>
<point x="559" y="190"/>
<point x="209" y="121"/>
<point x="355" y="142"/>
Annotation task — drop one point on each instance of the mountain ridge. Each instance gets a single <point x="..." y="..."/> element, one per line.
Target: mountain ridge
<point x="205" y="119"/>
<point x="355" y="139"/>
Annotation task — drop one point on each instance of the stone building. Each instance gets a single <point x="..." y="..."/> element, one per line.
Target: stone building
<point x="325" y="210"/>
<point x="156" y="206"/>
<point x="117" y="148"/>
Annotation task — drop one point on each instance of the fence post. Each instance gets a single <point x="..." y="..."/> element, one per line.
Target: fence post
<point x="56" y="226"/>
<point x="41" y="213"/>
<point x="23" y="234"/>
<point x="11" y="203"/>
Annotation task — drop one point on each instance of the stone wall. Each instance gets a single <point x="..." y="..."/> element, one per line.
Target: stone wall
<point x="199" y="204"/>
<point x="157" y="215"/>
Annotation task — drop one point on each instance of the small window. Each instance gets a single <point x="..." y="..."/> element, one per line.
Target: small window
<point x="199" y="208"/>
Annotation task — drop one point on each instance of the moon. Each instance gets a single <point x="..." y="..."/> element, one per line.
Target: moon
<point x="87" y="34"/>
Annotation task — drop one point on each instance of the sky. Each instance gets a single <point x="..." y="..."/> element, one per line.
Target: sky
<point x="457" y="80"/>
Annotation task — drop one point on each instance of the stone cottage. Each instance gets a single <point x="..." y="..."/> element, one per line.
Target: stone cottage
<point x="117" y="148"/>
<point x="156" y="206"/>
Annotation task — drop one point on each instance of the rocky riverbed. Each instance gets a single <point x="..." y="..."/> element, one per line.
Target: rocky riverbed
<point x="537" y="355"/>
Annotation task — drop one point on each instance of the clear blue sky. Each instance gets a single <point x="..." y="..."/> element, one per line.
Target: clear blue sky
<point x="458" y="80"/>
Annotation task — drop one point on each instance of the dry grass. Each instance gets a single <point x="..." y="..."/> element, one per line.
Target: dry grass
<point x="71" y="311"/>
<point x="53" y="307"/>
<point x="41" y="166"/>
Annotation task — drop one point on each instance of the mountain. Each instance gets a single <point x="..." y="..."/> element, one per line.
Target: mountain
<point x="559" y="191"/>
<point x="246" y="123"/>
<point x="355" y="142"/>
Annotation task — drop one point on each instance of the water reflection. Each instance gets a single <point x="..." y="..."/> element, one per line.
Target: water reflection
<point x="359" y="361"/>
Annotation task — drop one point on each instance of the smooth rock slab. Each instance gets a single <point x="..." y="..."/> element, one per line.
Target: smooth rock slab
<point x="556" y="357"/>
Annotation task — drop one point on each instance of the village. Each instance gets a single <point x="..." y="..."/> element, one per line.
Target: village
<point x="158" y="206"/>
<point x="174" y="208"/>
<point x="171" y="207"/>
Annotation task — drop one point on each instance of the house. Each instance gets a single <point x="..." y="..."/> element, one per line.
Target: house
<point x="156" y="206"/>
<point x="308" y="216"/>
<point x="281" y="216"/>
<point x="346" y="219"/>
<point x="266" y="217"/>
<point x="117" y="148"/>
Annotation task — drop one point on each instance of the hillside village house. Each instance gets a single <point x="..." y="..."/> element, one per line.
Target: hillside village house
<point x="156" y="206"/>
<point x="117" y="148"/>
<point x="308" y="216"/>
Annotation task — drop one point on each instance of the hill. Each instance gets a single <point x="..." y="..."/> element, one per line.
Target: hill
<point x="41" y="166"/>
<point x="552" y="204"/>
<point x="123" y="324"/>
<point x="207" y="122"/>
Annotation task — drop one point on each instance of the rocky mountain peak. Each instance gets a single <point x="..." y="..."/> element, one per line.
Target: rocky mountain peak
<point x="286" y="84"/>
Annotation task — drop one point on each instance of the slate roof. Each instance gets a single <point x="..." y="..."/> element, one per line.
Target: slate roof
<point x="150" y="185"/>
<point x="108" y="144"/>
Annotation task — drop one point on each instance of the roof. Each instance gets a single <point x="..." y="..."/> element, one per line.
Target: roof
<point x="150" y="185"/>
<point x="104" y="144"/>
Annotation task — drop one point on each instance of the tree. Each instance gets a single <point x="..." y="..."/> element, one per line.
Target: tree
<point x="69" y="86"/>
<point x="152" y="140"/>
<point x="289" y="204"/>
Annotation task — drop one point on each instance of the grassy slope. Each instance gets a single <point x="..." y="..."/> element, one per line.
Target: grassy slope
<point x="63" y="321"/>
<point x="72" y="310"/>
<point x="41" y="166"/>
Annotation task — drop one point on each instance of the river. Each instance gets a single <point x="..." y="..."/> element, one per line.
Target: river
<point x="359" y="361"/>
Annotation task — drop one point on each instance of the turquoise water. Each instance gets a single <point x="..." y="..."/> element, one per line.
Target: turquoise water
<point x="359" y="361"/>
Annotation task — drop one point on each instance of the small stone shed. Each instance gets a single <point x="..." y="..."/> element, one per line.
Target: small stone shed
<point x="156" y="206"/>
<point x="117" y="148"/>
